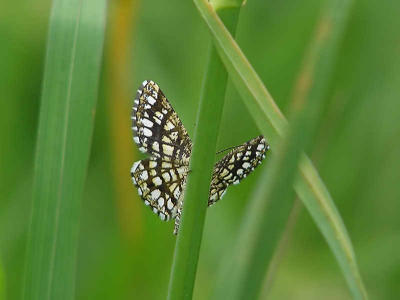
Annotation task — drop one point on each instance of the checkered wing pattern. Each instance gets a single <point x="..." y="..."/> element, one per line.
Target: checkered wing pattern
<point x="157" y="130"/>
<point x="161" y="179"/>
<point x="235" y="166"/>
<point x="231" y="169"/>
<point x="160" y="184"/>
<point x="156" y="127"/>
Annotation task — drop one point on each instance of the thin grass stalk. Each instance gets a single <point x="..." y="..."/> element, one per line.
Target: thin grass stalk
<point x="68" y="102"/>
<point x="209" y="115"/>
<point x="309" y="186"/>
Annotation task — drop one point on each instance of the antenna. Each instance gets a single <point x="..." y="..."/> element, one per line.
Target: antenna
<point x="226" y="149"/>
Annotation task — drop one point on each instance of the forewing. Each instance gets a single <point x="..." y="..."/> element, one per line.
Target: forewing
<point x="160" y="184"/>
<point x="156" y="127"/>
<point x="235" y="166"/>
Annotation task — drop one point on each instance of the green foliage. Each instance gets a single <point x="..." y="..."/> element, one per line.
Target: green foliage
<point x="69" y="94"/>
<point x="264" y="110"/>
<point x="355" y="148"/>
<point x="187" y="247"/>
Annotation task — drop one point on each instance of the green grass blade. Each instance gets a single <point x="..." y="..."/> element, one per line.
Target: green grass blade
<point x="272" y="123"/>
<point x="69" y="92"/>
<point x="2" y="283"/>
<point x="187" y="246"/>
<point x="271" y="204"/>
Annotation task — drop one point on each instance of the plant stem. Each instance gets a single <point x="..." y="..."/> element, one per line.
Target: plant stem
<point x="209" y="115"/>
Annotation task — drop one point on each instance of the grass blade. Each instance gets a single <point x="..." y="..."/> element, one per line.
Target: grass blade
<point x="187" y="246"/>
<point x="69" y="92"/>
<point x="272" y="123"/>
<point x="271" y="204"/>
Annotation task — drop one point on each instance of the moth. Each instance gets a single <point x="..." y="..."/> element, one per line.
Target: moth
<point x="161" y="178"/>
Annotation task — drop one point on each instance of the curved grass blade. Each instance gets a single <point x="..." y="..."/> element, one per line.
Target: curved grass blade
<point x="272" y="123"/>
<point x="269" y="210"/>
<point x="69" y="92"/>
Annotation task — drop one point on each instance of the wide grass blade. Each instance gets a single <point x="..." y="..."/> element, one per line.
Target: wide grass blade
<point x="69" y="92"/>
<point x="187" y="246"/>
<point x="272" y="123"/>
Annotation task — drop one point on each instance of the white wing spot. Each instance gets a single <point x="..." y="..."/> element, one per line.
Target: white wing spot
<point x="144" y="175"/>
<point x="135" y="165"/>
<point x="155" y="194"/>
<point x="166" y="139"/>
<point x="170" y="205"/>
<point x="246" y="165"/>
<point x="166" y="176"/>
<point x="224" y="172"/>
<point x="213" y="197"/>
<point x="151" y="100"/>
<point x="169" y="125"/>
<point x="229" y="176"/>
<point x="157" y="181"/>
<point x="177" y="193"/>
<point x="166" y="165"/>
<point x="173" y="175"/>
<point x="147" y="123"/>
<point x="156" y="146"/>
<point x="147" y="132"/>
<point x="168" y="150"/>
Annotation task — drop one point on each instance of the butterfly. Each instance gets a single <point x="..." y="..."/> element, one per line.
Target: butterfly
<point x="161" y="178"/>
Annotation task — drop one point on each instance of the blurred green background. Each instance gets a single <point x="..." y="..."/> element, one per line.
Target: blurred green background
<point x="125" y="251"/>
